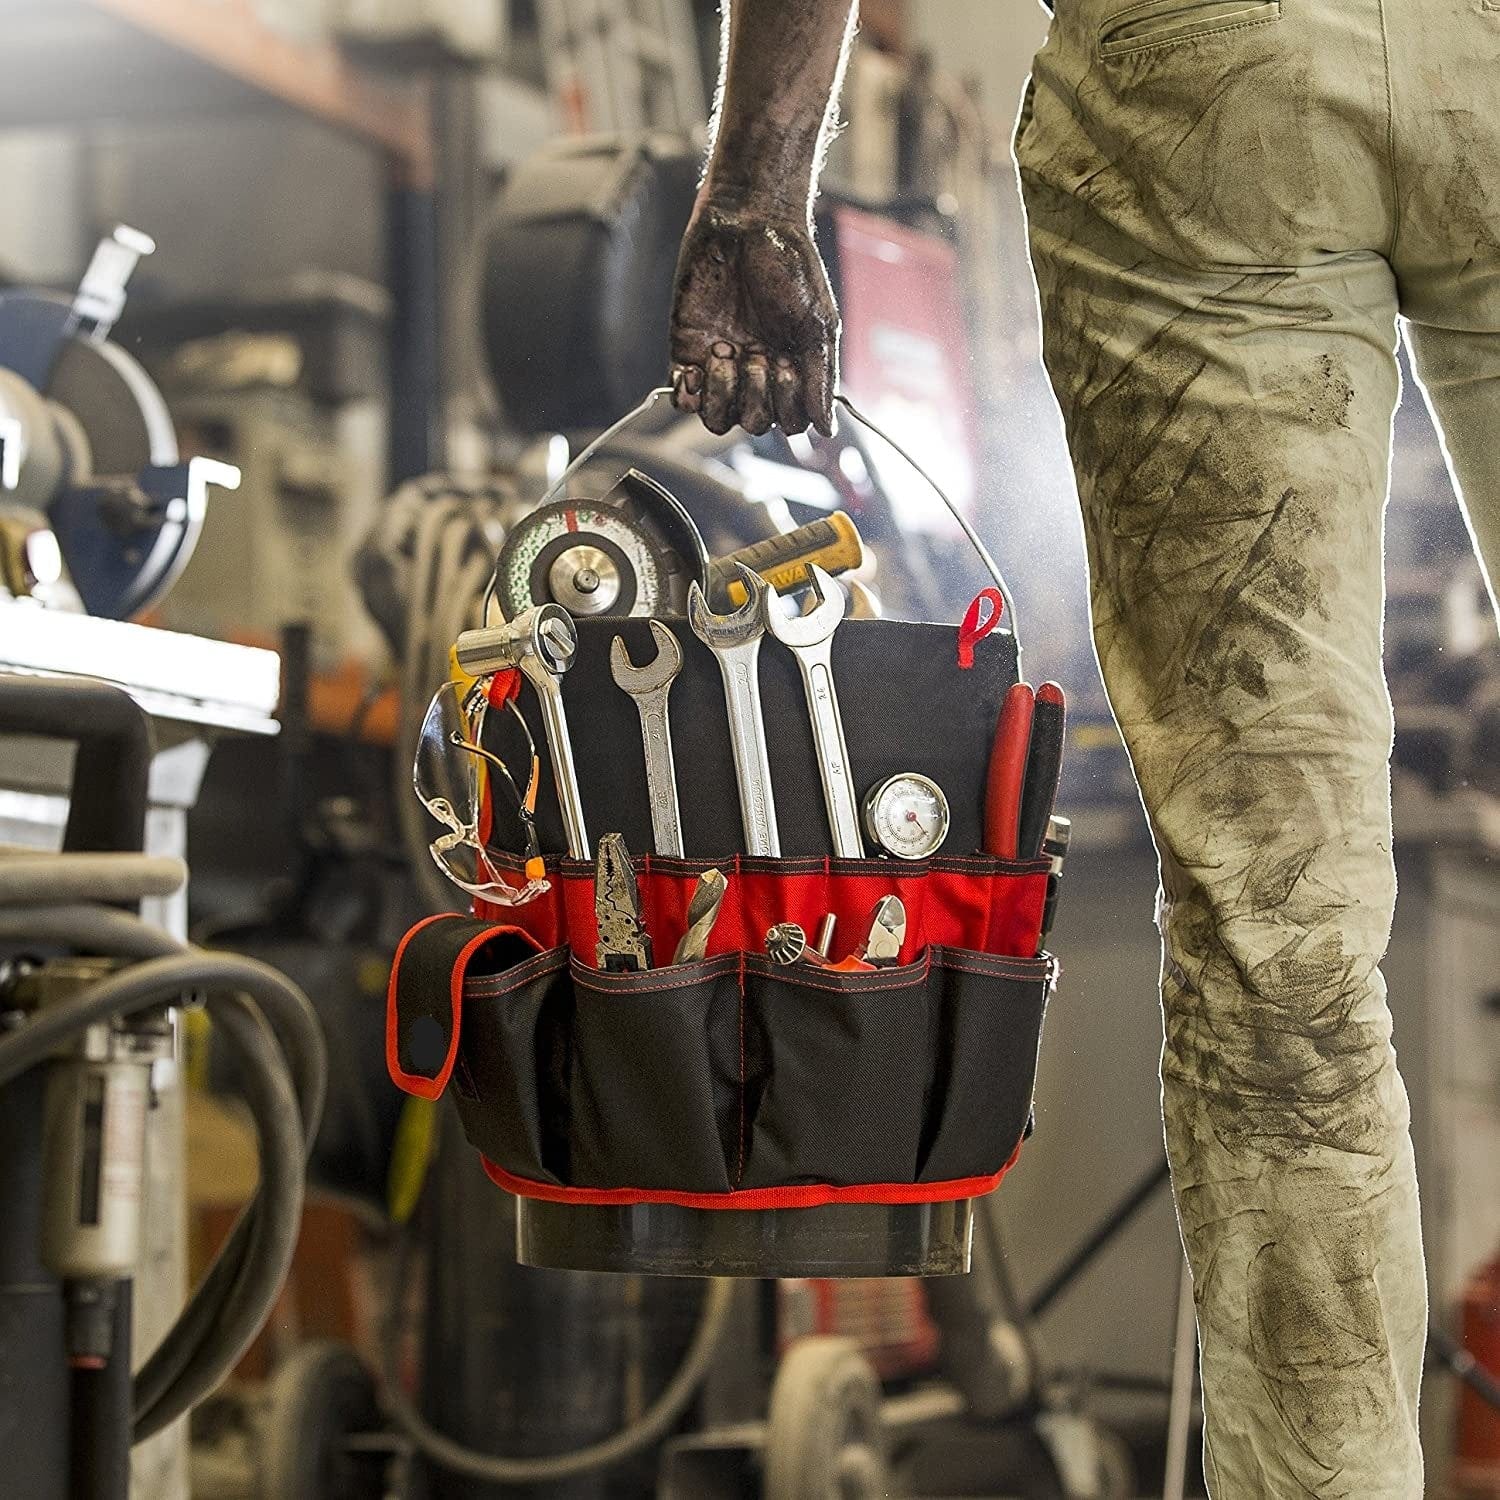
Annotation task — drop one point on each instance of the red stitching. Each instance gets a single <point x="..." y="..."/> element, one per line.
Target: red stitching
<point x="638" y="983"/>
<point x="914" y="974"/>
<point x="492" y="986"/>
<point x="739" y="1166"/>
<point x="993" y="965"/>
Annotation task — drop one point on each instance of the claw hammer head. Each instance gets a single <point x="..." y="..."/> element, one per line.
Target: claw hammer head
<point x="656" y="674"/>
<point x="747" y="623"/>
<point x="813" y="628"/>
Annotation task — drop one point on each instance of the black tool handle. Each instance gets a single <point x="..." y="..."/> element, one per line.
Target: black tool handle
<point x="1043" y="769"/>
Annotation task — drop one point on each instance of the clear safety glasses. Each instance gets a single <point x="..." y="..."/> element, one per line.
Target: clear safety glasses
<point x="451" y="773"/>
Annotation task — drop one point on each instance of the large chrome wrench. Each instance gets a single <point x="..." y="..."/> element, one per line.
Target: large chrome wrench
<point x="543" y="643"/>
<point x="649" y="686"/>
<point x="809" y="638"/>
<point x="735" y="640"/>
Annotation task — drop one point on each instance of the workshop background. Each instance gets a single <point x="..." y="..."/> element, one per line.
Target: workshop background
<point x="409" y="256"/>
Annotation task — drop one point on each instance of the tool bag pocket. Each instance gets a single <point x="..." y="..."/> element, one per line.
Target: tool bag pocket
<point x="654" y="1077"/>
<point x="734" y="1082"/>
<point x="835" y="1074"/>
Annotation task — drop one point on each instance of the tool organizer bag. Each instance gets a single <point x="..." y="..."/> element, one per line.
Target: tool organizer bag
<point x="734" y="1082"/>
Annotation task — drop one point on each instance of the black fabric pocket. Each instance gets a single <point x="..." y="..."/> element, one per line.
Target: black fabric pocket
<point x="985" y="1015"/>
<point x="736" y="1075"/>
<point x="654" y="1077"/>
<point x="511" y="1079"/>
<point x="834" y="1074"/>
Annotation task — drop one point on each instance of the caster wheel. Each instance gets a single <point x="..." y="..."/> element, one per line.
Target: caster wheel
<point x="824" y="1437"/>
<point x="319" y="1399"/>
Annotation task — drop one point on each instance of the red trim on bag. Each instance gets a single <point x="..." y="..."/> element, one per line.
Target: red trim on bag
<point x="803" y="1195"/>
<point x="976" y="903"/>
<point x="413" y="1083"/>
<point x="421" y="1084"/>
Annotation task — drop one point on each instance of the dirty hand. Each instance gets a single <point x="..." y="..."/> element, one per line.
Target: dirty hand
<point x="755" y="329"/>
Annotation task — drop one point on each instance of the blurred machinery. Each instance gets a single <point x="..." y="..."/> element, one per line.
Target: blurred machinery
<point x="99" y="515"/>
<point x="96" y="508"/>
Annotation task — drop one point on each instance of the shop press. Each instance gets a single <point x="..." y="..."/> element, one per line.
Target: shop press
<point x="796" y="1034"/>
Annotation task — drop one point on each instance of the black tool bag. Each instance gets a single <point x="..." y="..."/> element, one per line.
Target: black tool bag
<point x="733" y="1082"/>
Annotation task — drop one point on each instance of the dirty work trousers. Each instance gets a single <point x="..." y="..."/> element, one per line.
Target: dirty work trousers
<point x="1229" y="205"/>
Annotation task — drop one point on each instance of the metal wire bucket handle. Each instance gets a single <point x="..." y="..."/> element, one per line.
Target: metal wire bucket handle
<point x="652" y="397"/>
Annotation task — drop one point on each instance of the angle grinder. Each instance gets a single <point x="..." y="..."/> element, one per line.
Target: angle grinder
<point x="636" y="551"/>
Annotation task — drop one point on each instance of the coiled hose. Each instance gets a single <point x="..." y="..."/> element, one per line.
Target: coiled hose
<point x="52" y="900"/>
<point x="650" y="1427"/>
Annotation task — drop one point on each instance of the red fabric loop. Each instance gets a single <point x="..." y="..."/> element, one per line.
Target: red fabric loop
<point x="504" y="686"/>
<point x="977" y="625"/>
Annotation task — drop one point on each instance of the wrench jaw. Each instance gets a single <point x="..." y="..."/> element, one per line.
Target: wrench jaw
<point x="819" y="623"/>
<point x="747" y="623"/>
<point x="659" y="673"/>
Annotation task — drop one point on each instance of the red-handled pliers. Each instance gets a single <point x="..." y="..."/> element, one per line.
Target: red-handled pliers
<point x="1007" y="775"/>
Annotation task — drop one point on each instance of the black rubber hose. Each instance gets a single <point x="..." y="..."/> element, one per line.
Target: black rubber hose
<point x="275" y="1219"/>
<point x="207" y="1340"/>
<point x="650" y="1427"/>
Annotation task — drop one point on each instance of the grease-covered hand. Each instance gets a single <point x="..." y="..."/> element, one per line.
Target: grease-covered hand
<point x="755" y="329"/>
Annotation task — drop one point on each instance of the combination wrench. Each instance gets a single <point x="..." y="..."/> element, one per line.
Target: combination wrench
<point x="735" y="642"/>
<point x="809" y="638"/>
<point x="649" y="686"/>
<point x="543" y="643"/>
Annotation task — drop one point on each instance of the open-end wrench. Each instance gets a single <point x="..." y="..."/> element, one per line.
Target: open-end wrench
<point x="809" y="638"/>
<point x="735" y="640"/>
<point x="649" y="686"/>
<point x="543" y="643"/>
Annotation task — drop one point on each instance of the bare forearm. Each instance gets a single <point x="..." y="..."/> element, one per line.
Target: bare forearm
<point x="783" y="64"/>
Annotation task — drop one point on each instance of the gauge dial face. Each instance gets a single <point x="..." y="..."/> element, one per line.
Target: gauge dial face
<point x="907" y="816"/>
<point x="591" y="558"/>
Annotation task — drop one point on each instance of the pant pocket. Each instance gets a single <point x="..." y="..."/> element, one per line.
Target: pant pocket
<point x="510" y="1079"/>
<point x="986" y="1026"/>
<point x="1163" y="23"/>
<point x="654" y="1077"/>
<point x="834" y="1074"/>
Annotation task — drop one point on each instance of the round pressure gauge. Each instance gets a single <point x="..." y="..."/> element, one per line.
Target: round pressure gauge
<point x="907" y="815"/>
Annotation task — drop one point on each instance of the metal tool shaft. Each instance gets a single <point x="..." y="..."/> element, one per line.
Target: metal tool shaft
<point x="740" y="666"/>
<point x="661" y="780"/>
<point x="560" y="747"/>
<point x="650" y="686"/>
<point x="809" y="637"/>
<point x="816" y="663"/>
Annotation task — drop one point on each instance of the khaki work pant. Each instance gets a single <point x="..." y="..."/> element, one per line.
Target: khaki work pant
<point x="1229" y="204"/>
